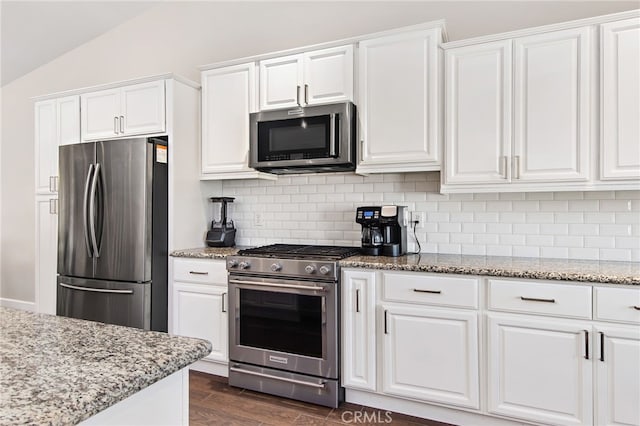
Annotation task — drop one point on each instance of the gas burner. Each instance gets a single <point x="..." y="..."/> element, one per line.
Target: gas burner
<point x="298" y="251"/>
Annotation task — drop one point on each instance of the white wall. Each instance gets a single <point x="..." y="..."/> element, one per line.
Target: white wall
<point x="180" y="36"/>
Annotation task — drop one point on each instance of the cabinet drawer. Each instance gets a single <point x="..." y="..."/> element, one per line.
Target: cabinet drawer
<point x="441" y="290"/>
<point x="200" y="271"/>
<point x="561" y="300"/>
<point x="617" y="304"/>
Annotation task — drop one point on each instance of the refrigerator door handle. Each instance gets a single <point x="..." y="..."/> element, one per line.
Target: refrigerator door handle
<point x="85" y="207"/>
<point x="92" y="211"/>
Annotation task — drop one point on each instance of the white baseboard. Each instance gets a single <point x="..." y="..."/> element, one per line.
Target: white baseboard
<point x="18" y="304"/>
<point x="426" y="411"/>
<point x="209" y="367"/>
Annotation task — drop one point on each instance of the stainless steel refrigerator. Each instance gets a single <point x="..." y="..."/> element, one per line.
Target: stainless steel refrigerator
<point x="112" y="232"/>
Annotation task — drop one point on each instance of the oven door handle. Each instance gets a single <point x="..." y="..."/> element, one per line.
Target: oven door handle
<point x="268" y="285"/>
<point x="282" y="379"/>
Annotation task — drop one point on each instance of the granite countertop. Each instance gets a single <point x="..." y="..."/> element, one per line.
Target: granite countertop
<point x="207" y="252"/>
<point x="498" y="266"/>
<point x="59" y="371"/>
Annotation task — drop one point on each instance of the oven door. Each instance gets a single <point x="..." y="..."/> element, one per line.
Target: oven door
<point x="284" y="324"/>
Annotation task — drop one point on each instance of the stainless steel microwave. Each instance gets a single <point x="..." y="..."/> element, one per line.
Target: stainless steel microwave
<point x="304" y="140"/>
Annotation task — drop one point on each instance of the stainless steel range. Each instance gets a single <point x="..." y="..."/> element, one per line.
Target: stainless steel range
<point x="284" y="321"/>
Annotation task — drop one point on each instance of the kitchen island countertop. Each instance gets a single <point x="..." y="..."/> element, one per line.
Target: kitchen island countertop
<point x="588" y="271"/>
<point x="57" y="370"/>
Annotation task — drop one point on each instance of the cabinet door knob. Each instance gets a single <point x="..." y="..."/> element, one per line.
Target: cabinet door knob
<point x="115" y="125"/>
<point x="122" y="124"/>
<point x="306" y="94"/>
<point x="298" y="95"/>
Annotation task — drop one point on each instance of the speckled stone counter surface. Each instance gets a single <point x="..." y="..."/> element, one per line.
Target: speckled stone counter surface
<point x="60" y="371"/>
<point x="207" y="252"/>
<point x="517" y="267"/>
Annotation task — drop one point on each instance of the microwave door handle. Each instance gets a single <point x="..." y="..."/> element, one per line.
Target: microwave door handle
<point x="332" y="135"/>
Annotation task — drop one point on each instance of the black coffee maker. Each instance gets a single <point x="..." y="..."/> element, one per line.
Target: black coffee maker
<point x="384" y="230"/>
<point x="222" y="232"/>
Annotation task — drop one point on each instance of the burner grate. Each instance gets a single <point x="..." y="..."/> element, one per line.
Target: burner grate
<point x="296" y="251"/>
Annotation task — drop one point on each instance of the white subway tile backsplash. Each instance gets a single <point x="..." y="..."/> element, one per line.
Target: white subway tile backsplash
<point x="320" y="209"/>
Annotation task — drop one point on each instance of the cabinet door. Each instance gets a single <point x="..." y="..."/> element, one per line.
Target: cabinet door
<point x="618" y="375"/>
<point x="328" y="75"/>
<point x="358" y="330"/>
<point x="142" y="108"/>
<point x="100" y="114"/>
<point x="68" y="120"/>
<point x="620" y="127"/>
<point x="281" y="82"/>
<point x="199" y="310"/>
<point x="46" y="146"/>
<point x="538" y="369"/>
<point x="552" y="106"/>
<point x="228" y="97"/>
<point x="46" y="253"/>
<point x="431" y="355"/>
<point x="478" y="115"/>
<point x="398" y="102"/>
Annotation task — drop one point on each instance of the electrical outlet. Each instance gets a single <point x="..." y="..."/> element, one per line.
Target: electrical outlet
<point x="418" y="217"/>
<point x="258" y="219"/>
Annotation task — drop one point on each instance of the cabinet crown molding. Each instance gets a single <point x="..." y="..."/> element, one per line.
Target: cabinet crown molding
<point x="543" y="29"/>
<point x="350" y="40"/>
<point x="165" y="76"/>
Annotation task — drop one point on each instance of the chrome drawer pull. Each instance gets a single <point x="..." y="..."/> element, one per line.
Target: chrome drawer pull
<point x="535" y="299"/>
<point x="417" y="290"/>
<point x="637" y="308"/>
<point x="282" y="379"/>
<point x="198" y="273"/>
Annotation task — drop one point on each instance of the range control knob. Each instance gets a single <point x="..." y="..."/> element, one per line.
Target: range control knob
<point x="232" y="263"/>
<point x="244" y="265"/>
<point x="310" y="269"/>
<point x="276" y="267"/>
<point x="324" y="269"/>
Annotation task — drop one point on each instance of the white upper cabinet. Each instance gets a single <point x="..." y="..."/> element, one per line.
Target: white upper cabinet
<point x="620" y="100"/>
<point x="318" y="77"/>
<point x="57" y="122"/>
<point x="552" y="100"/>
<point x="124" y="111"/>
<point x="478" y="124"/>
<point x="519" y="112"/>
<point x="398" y="77"/>
<point x="228" y="97"/>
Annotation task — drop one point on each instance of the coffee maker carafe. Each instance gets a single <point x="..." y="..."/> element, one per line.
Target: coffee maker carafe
<point x="222" y="232"/>
<point x="384" y="230"/>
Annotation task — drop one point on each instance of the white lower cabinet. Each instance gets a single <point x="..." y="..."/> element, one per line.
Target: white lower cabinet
<point x="409" y="350"/>
<point x="200" y="311"/>
<point x="199" y="303"/>
<point x="430" y="354"/>
<point x="473" y="350"/>
<point x="540" y="369"/>
<point x="358" y="330"/>
<point x="617" y="397"/>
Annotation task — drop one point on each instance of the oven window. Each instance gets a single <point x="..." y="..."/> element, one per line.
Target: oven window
<point x="282" y="322"/>
<point x="294" y="138"/>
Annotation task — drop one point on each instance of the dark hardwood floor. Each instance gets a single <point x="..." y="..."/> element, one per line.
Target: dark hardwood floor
<point x="213" y="402"/>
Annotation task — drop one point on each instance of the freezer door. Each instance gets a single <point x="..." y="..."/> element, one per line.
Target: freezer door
<point x="76" y="171"/>
<point x="127" y="304"/>
<point x="121" y="210"/>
